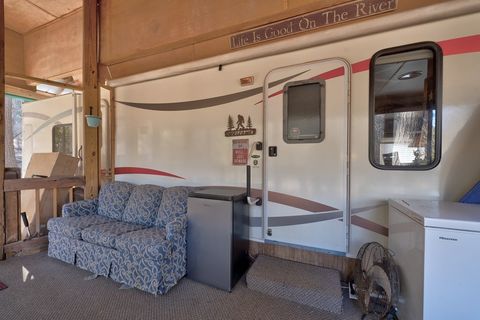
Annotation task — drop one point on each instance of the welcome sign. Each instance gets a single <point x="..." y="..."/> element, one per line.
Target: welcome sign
<point x="312" y="21"/>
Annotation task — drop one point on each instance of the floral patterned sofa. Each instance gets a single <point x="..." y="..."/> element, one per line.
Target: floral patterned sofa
<point x="134" y="234"/>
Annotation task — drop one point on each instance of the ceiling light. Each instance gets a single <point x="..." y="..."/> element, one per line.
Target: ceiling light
<point x="410" y="75"/>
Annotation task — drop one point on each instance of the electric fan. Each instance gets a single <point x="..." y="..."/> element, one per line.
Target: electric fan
<point x="376" y="282"/>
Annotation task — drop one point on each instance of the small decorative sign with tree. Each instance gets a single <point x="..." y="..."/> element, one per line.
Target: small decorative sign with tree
<point x="239" y="128"/>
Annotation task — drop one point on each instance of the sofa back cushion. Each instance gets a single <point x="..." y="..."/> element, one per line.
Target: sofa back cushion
<point x="142" y="207"/>
<point x="174" y="204"/>
<point x="113" y="198"/>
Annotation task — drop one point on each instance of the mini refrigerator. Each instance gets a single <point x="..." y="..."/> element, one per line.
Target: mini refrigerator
<point x="436" y="245"/>
<point x="217" y="236"/>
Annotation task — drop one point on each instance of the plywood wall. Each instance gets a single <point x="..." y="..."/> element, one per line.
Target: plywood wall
<point x="55" y="50"/>
<point x="142" y="35"/>
<point x="14" y="57"/>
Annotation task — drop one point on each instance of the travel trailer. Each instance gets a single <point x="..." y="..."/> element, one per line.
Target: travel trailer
<point x="317" y="163"/>
<point x="325" y="189"/>
<point x="48" y="125"/>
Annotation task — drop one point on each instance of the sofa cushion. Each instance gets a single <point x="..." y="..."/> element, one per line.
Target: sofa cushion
<point x="72" y="227"/>
<point x="142" y="207"/>
<point x="105" y="234"/>
<point x="148" y="243"/>
<point x="113" y="198"/>
<point x="174" y="204"/>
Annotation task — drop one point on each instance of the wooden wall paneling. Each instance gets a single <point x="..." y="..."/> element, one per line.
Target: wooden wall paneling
<point x="91" y="98"/>
<point x="2" y="128"/>
<point x="14" y="57"/>
<point x="343" y="264"/>
<point x="12" y="208"/>
<point x="32" y="246"/>
<point x="58" y="8"/>
<point x="23" y="16"/>
<point x="55" y="50"/>
<point x="136" y="36"/>
<point x="12" y="221"/>
<point x="14" y="52"/>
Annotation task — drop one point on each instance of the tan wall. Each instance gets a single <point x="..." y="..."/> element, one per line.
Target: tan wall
<point x="55" y="50"/>
<point x="14" y="58"/>
<point x="138" y="36"/>
<point x="143" y="35"/>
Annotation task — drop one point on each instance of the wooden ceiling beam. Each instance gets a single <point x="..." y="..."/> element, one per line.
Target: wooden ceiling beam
<point x="21" y="92"/>
<point x="44" y="81"/>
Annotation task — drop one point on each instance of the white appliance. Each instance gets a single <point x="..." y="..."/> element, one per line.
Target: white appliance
<point x="436" y="245"/>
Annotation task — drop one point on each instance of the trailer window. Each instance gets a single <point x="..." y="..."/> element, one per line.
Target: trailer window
<point x="62" y="138"/>
<point x="405" y="107"/>
<point x="304" y="111"/>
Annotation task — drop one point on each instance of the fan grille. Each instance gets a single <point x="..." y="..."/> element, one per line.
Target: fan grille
<point x="376" y="280"/>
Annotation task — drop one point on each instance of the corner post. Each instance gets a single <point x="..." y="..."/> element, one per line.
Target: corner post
<point x="2" y="129"/>
<point x="91" y="96"/>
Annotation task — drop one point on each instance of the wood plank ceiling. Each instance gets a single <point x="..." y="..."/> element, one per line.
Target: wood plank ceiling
<point x="23" y="16"/>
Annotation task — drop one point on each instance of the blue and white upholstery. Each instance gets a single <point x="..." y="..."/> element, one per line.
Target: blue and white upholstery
<point x="72" y="227"/>
<point x="135" y="235"/>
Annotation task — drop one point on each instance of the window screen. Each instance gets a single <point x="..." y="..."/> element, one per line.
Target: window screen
<point x="62" y="138"/>
<point x="304" y="111"/>
<point x="405" y="107"/>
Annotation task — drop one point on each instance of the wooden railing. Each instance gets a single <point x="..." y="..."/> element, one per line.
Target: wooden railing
<point x="12" y="243"/>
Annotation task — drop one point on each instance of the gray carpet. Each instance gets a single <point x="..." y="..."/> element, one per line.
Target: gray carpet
<point x="44" y="288"/>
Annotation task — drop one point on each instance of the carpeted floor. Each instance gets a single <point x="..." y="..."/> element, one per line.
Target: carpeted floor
<point x="43" y="288"/>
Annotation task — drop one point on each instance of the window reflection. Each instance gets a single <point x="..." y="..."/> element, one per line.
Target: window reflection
<point x="405" y="108"/>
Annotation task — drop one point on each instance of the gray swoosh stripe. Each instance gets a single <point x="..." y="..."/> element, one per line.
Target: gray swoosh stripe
<point x="35" y="115"/>
<point x="295" y="220"/>
<point x="53" y="120"/>
<point x="49" y="121"/>
<point x="206" y="103"/>
<point x="364" y="209"/>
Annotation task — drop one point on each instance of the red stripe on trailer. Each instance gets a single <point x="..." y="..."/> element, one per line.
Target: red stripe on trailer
<point x="136" y="170"/>
<point x="338" y="72"/>
<point x="325" y="76"/>
<point x="361" y="66"/>
<point x="460" y="45"/>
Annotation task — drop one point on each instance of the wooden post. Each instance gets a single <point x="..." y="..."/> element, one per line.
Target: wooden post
<point x="2" y="128"/>
<point x="113" y="130"/>
<point x="37" y="212"/>
<point x="70" y="195"/>
<point x="91" y="98"/>
<point x="55" y="202"/>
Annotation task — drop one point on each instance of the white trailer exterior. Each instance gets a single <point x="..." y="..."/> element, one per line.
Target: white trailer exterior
<point x="41" y="116"/>
<point x="326" y="196"/>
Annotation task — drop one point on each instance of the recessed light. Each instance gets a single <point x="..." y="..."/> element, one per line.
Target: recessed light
<point x="410" y="75"/>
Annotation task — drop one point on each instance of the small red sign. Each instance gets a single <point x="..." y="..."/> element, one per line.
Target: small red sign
<point x="240" y="152"/>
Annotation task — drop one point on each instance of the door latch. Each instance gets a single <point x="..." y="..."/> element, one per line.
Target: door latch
<point x="272" y="151"/>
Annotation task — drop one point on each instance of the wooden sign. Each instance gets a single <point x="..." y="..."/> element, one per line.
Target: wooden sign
<point x="312" y="21"/>
<point x="240" y="128"/>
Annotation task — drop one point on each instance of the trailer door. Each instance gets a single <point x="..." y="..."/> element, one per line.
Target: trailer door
<point x="306" y="155"/>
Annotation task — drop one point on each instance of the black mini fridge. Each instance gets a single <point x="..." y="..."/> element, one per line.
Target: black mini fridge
<point x="217" y="236"/>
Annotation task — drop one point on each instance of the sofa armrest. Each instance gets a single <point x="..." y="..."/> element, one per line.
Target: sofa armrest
<point x="80" y="208"/>
<point x="176" y="228"/>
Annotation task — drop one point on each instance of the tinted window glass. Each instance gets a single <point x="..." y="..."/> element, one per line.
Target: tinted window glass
<point x="62" y="138"/>
<point x="405" y="94"/>
<point x="303" y="111"/>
